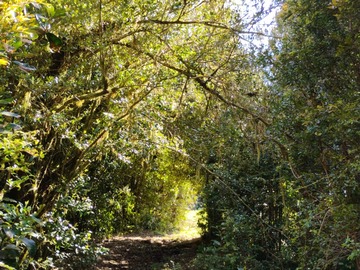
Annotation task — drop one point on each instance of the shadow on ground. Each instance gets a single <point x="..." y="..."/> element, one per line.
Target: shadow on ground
<point x="149" y="253"/>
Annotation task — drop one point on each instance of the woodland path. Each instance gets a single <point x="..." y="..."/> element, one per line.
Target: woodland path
<point x="146" y="252"/>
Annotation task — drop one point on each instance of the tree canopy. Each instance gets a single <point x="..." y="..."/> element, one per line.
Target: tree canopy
<point x="117" y="117"/>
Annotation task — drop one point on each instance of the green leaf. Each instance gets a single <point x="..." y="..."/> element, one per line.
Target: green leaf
<point x="30" y="245"/>
<point x="10" y="114"/>
<point x="13" y="126"/>
<point x="40" y="18"/>
<point x="6" y="101"/>
<point x="10" y="251"/>
<point x="5" y="199"/>
<point x="5" y="266"/>
<point x="17" y="44"/>
<point x="37" y="220"/>
<point x="54" y="40"/>
<point x="24" y="66"/>
<point x="216" y="243"/>
<point x="33" y="34"/>
<point x="36" y="5"/>
<point x="10" y="233"/>
<point x="9" y="256"/>
<point x="50" y="10"/>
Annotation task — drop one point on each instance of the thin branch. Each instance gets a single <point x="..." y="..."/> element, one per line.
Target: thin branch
<point x="206" y="23"/>
<point x="133" y="105"/>
<point x="97" y="94"/>
<point x="106" y="130"/>
<point x="183" y="92"/>
<point x="182" y="11"/>
<point x="198" y="80"/>
<point x="215" y="93"/>
<point x="101" y="55"/>
<point x="285" y="155"/>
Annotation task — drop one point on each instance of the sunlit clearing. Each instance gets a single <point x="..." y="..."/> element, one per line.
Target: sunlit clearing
<point x="188" y="228"/>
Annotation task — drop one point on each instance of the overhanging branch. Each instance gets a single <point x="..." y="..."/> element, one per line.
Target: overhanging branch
<point x="206" y="23"/>
<point x="198" y="79"/>
<point x="74" y="99"/>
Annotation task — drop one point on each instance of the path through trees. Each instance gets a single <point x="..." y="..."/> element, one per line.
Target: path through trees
<point x="120" y="116"/>
<point x="145" y="252"/>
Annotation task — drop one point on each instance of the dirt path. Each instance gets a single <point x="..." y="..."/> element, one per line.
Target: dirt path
<point x="149" y="253"/>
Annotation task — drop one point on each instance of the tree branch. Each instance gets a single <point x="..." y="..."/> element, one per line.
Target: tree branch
<point x="99" y="93"/>
<point x="206" y="23"/>
<point x="197" y="79"/>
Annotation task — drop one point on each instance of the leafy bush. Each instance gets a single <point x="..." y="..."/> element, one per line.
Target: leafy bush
<point x="20" y="237"/>
<point x="69" y="248"/>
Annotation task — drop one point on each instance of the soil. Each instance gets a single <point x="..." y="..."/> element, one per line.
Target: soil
<point x="144" y="252"/>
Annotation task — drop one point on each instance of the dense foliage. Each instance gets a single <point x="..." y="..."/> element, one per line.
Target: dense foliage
<point x="316" y="74"/>
<point x="117" y="117"/>
<point x="297" y="207"/>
